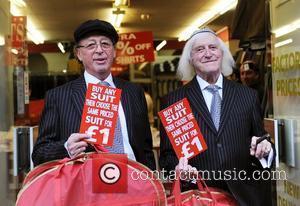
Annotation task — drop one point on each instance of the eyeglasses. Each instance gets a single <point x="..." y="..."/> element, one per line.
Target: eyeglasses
<point x="105" y="45"/>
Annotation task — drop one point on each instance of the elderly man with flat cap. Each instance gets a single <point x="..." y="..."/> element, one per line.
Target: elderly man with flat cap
<point x="59" y="135"/>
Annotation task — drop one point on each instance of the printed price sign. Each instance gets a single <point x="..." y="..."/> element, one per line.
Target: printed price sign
<point x="182" y="129"/>
<point x="100" y="113"/>
<point x="134" y="48"/>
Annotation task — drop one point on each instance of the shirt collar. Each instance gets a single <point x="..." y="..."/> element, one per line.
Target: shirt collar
<point x="90" y="79"/>
<point x="203" y="84"/>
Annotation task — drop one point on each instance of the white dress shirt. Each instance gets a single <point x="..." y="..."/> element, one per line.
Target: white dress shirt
<point x="265" y="162"/>
<point x="206" y="94"/>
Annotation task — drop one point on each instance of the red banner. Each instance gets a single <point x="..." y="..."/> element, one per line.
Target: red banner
<point x="182" y="129"/>
<point x="100" y="113"/>
<point x="133" y="48"/>
<point x="18" y="29"/>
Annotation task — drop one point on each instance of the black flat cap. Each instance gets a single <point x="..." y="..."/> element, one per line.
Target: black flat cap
<point x="96" y="26"/>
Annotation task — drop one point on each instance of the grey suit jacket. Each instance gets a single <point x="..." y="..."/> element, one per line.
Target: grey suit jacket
<point x="62" y="116"/>
<point x="228" y="148"/>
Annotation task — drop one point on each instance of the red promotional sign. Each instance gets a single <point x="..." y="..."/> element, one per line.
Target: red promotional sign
<point x="100" y="112"/>
<point x="18" y="29"/>
<point x="182" y="129"/>
<point x="133" y="48"/>
<point x="110" y="173"/>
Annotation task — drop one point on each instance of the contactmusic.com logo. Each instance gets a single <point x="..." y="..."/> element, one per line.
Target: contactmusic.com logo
<point x="110" y="173"/>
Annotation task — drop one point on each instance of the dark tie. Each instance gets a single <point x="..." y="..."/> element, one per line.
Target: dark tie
<point x="118" y="146"/>
<point x="215" y="108"/>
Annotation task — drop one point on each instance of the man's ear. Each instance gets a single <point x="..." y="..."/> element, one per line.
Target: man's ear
<point x="115" y="53"/>
<point x="77" y="53"/>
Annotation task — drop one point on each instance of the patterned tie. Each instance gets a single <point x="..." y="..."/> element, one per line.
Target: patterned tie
<point x="118" y="146"/>
<point x="215" y="108"/>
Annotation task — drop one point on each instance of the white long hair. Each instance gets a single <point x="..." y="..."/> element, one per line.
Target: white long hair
<point x="186" y="71"/>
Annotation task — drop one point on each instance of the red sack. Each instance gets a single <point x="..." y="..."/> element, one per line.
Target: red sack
<point x="69" y="182"/>
<point x="204" y="196"/>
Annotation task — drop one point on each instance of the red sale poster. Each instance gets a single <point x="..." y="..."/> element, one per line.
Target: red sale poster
<point x="182" y="129"/>
<point x="100" y="113"/>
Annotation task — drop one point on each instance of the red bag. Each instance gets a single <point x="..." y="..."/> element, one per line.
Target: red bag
<point x="204" y="196"/>
<point x="69" y="182"/>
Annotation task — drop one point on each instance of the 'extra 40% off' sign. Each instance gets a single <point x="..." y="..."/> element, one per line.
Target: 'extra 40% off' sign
<point x="133" y="48"/>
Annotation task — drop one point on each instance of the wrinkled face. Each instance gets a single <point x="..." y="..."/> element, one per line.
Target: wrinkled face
<point x="206" y="55"/>
<point x="96" y="54"/>
<point x="248" y="76"/>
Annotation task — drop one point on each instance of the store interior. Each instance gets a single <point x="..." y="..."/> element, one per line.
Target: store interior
<point x="46" y="59"/>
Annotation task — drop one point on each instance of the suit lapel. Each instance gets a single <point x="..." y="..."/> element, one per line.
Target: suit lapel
<point x="78" y="94"/>
<point x="198" y="104"/>
<point x="227" y="102"/>
<point x="125" y="100"/>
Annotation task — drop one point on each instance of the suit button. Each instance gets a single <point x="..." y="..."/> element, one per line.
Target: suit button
<point x="219" y="145"/>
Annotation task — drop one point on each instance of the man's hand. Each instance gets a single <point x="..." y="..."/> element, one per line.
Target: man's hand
<point x="261" y="149"/>
<point x="75" y="144"/>
<point x="187" y="172"/>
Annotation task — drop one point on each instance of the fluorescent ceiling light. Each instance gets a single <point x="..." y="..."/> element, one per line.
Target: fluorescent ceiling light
<point x="117" y="18"/>
<point x="282" y="43"/>
<point x="61" y="47"/>
<point x="228" y="6"/>
<point x="118" y="2"/>
<point x="161" y="45"/>
<point x="17" y="9"/>
<point x="121" y="3"/>
<point x="33" y="34"/>
<point x="35" y="37"/>
<point x="19" y="3"/>
<point x="215" y="11"/>
<point x="142" y="65"/>
<point x="288" y="28"/>
<point x="2" y="40"/>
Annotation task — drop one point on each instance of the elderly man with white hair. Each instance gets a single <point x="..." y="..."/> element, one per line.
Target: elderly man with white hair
<point x="228" y="115"/>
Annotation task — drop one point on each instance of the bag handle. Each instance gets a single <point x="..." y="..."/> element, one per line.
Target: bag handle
<point x="201" y="186"/>
<point x="45" y="167"/>
<point x="48" y="165"/>
<point x="99" y="148"/>
<point x="60" y="164"/>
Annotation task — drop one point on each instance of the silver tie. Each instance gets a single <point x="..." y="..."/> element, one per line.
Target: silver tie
<point x="118" y="146"/>
<point x="215" y="108"/>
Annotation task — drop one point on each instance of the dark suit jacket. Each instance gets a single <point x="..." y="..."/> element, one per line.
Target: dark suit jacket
<point x="62" y="116"/>
<point x="228" y="148"/>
